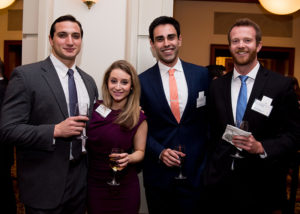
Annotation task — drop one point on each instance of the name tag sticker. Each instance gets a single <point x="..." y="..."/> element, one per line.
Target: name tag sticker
<point x="201" y="100"/>
<point x="103" y="110"/>
<point x="266" y="100"/>
<point x="262" y="107"/>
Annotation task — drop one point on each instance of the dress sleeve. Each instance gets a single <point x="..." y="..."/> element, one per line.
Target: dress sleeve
<point x="142" y="118"/>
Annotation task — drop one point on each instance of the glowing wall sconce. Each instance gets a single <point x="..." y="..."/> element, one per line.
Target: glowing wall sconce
<point x="89" y="3"/>
<point x="281" y="7"/>
<point x="5" y="3"/>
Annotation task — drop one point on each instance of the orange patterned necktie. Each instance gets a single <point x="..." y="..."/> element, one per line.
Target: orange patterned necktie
<point x="174" y="101"/>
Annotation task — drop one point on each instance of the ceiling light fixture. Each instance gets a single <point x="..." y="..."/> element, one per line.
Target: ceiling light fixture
<point x="89" y="3"/>
<point x="281" y="7"/>
<point x="5" y="3"/>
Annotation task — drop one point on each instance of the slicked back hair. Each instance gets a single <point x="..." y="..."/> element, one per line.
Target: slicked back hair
<point x="63" y="19"/>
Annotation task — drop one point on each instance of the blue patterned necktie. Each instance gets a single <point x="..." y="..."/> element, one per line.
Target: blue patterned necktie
<point x="73" y="100"/>
<point x="242" y="99"/>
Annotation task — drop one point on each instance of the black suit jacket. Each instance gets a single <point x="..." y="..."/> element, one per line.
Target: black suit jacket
<point x="34" y="103"/>
<point x="278" y="133"/>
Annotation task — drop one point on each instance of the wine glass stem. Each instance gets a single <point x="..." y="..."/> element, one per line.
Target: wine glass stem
<point x="114" y="177"/>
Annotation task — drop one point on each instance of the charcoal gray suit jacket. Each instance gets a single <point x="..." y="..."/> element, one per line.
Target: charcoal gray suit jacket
<point x="33" y="104"/>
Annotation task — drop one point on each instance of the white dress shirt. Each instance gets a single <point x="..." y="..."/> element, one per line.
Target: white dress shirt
<point x="180" y="81"/>
<point x="236" y="85"/>
<point x="62" y="71"/>
<point x="235" y="89"/>
<point x="82" y="94"/>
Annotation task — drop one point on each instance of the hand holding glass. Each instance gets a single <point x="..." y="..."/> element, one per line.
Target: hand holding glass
<point x="180" y="148"/>
<point x="114" y="165"/>
<point x="244" y="126"/>
<point x="82" y="109"/>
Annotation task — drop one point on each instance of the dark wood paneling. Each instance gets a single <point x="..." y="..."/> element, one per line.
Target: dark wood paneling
<point x="12" y="55"/>
<point x="237" y="1"/>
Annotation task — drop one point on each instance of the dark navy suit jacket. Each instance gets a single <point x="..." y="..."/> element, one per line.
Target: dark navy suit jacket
<point x="164" y="131"/>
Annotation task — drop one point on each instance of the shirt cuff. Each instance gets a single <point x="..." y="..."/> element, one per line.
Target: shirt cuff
<point x="264" y="155"/>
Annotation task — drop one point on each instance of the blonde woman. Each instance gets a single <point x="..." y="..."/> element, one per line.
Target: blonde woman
<point x="117" y="122"/>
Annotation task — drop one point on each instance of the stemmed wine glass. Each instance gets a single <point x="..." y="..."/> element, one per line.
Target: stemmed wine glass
<point x="114" y="165"/>
<point x="82" y="109"/>
<point x="180" y="148"/>
<point x="244" y="126"/>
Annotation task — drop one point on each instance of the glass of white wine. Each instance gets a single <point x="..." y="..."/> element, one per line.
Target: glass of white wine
<point x="114" y="166"/>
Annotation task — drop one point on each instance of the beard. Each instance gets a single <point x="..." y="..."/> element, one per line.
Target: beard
<point x="244" y="60"/>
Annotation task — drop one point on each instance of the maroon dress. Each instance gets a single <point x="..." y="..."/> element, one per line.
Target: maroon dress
<point x="103" y="135"/>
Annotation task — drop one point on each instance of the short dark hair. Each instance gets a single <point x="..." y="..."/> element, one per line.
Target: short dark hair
<point x="249" y="23"/>
<point x="215" y="70"/>
<point x="162" y="20"/>
<point x="63" y="19"/>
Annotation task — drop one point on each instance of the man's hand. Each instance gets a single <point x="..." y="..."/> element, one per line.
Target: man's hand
<point x="249" y="144"/>
<point x="71" y="126"/>
<point x="171" y="157"/>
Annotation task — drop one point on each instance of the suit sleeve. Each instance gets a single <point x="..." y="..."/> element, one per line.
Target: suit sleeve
<point x="288" y="138"/>
<point x="153" y="147"/>
<point x="15" y="118"/>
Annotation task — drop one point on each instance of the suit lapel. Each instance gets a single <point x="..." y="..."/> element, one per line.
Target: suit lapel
<point x="257" y="89"/>
<point x="227" y="97"/>
<point x="52" y="79"/>
<point x="159" y="93"/>
<point x="190" y="86"/>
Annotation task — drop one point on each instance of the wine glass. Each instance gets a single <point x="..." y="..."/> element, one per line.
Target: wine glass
<point x="114" y="166"/>
<point x="180" y="148"/>
<point x="82" y="109"/>
<point x="244" y="126"/>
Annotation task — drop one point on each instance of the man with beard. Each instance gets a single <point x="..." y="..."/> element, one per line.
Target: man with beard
<point x="173" y="98"/>
<point x="38" y="117"/>
<point x="251" y="179"/>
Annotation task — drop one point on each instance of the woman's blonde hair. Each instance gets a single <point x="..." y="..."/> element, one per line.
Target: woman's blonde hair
<point x="130" y="114"/>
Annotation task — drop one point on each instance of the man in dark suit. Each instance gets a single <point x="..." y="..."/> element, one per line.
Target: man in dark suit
<point x="173" y="121"/>
<point x="37" y="118"/>
<point x="7" y="160"/>
<point x="255" y="182"/>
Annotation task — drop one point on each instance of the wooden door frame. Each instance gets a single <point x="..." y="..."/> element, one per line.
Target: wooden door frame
<point x="7" y="45"/>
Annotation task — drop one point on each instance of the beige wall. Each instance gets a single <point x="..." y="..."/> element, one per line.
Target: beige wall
<point x="197" y="24"/>
<point x="4" y="33"/>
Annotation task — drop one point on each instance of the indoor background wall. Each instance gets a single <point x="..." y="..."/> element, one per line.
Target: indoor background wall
<point x="104" y="27"/>
<point x="197" y="24"/>
<point x="9" y="32"/>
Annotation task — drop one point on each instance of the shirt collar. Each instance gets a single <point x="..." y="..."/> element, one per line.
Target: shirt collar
<point x="61" y="68"/>
<point x="164" y="70"/>
<point x="252" y="74"/>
